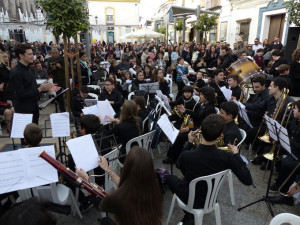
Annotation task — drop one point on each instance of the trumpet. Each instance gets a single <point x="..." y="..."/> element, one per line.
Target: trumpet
<point x="279" y="105"/>
<point x="198" y="138"/>
<point x="186" y="120"/>
<point x="177" y="112"/>
<point x="227" y="148"/>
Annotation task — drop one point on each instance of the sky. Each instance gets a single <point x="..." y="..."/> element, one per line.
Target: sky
<point x="149" y="7"/>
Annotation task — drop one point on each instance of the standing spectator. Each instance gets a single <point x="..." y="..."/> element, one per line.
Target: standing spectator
<point x="182" y="71"/>
<point x="278" y="60"/>
<point x="85" y="70"/>
<point x="276" y="44"/>
<point x="267" y="46"/>
<point x="56" y="67"/>
<point x="144" y="56"/>
<point x="295" y="73"/>
<point x="250" y="50"/>
<point x="40" y="72"/>
<point x="240" y="41"/>
<point x="259" y="58"/>
<point x="257" y="45"/>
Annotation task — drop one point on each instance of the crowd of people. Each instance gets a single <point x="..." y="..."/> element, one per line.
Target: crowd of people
<point x="199" y="106"/>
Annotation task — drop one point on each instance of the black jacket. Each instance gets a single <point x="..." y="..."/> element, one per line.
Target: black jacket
<point x="273" y="70"/>
<point x="231" y="132"/>
<point x="256" y="109"/>
<point x="59" y="73"/>
<point x="25" y="89"/>
<point x="116" y="97"/>
<point x="236" y="92"/>
<point x="206" y="160"/>
<point x="227" y="60"/>
<point x="200" y="112"/>
<point x="163" y="86"/>
<point x="294" y="133"/>
<point x="220" y="96"/>
<point x="136" y="84"/>
<point x="77" y="104"/>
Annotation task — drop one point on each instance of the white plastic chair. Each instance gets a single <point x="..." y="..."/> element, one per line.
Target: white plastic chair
<point x="119" y="80"/>
<point x="244" y="135"/>
<point x="170" y="84"/>
<point x="285" y="218"/>
<point x="95" y="87"/>
<point x="94" y="96"/>
<point x="130" y="95"/>
<point x="24" y="195"/>
<point x="146" y="120"/>
<point x="143" y="141"/>
<point x="196" y="98"/>
<point x="129" y="87"/>
<point x="59" y="194"/>
<point x="113" y="163"/>
<point x="210" y="201"/>
<point x="217" y="110"/>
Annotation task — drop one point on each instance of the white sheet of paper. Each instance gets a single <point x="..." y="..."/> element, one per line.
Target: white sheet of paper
<point x="167" y="127"/>
<point x="105" y="109"/>
<point x="60" y="124"/>
<point x="90" y="102"/>
<point x="271" y="127"/>
<point x="19" y="123"/>
<point x="284" y="139"/>
<point x="226" y="92"/>
<point x="23" y="169"/>
<point x="165" y="100"/>
<point x="163" y="105"/>
<point x="84" y="152"/>
<point x="243" y="113"/>
<point x="94" y="110"/>
<point x="39" y="172"/>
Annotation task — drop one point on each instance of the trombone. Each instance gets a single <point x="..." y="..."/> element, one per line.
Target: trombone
<point x="286" y="180"/>
<point x="243" y="98"/>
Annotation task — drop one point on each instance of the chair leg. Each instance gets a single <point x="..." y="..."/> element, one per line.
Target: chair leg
<point x="199" y="218"/>
<point x="75" y="204"/>
<point x="217" y="213"/>
<point x="171" y="209"/>
<point x="230" y="182"/>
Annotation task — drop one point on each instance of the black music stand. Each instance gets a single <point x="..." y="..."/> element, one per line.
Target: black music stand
<point x="273" y="129"/>
<point x="149" y="88"/>
<point x="43" y="106"/>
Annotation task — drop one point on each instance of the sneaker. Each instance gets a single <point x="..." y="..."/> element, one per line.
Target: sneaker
<point x="282" y="200"/>
<point x="274" y="188"/>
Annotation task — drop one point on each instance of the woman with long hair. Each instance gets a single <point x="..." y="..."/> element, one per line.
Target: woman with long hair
<point x="163" y="84"/>
<point x="128" y="126"/>
<point x="138" y="200"/>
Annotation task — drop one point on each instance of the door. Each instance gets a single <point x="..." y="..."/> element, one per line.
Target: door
<point x="110" y="37"/>
<point x="276" y="27"/>
<point x="244" y="27"/>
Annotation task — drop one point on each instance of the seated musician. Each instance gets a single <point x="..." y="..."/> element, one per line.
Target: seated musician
<point x="201" y="110"/>
<point x="112" y="95"/>
<point x="143" y="112"/>
<point x="77" y="104"/>
<point x="256" y="109"/>
<point x="199" y="83"/>
<point x="187" y="101"/>
<point x="128" y="126"/>
<point x="289" y="163"/>
<point x="205" y="160"/>
<point x="227" y="58"/>
<point x="229" y="110"/>
<point x="138" y="198"/>
<point x="276" y="89"/>
<point x="32" y="135"/>
<point x="233" y="85"/>
<point x="217" y="83"/>
<point x="139" y="80"/>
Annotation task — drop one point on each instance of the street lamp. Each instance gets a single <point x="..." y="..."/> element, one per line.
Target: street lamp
<point x="96" y="19"/>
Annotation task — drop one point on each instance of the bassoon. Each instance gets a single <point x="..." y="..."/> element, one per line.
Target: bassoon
<point x="90" y="187"/>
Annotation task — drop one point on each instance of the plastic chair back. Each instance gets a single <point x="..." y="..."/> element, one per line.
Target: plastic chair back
<point x="94" y="96"/>
<point x="196" y="98"/>
<point x="212" y="190"/>
<point x="130" y="95"/>
<point x="285" y="218"/>
<point x="113" y="163"/>
<point x="244" y="135"/>
<point x="217" y="110"/>
<point x="143" y="141"/>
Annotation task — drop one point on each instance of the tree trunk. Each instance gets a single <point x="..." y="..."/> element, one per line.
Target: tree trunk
<point x="71" y="65"/>
<point x="78" y="61"/>
<point x="67" y="76"/>
<point x="298" y="45"/>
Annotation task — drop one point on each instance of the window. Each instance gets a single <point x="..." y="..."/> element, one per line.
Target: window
<point x="109" y="15"/>
<point x="211" y="3"/>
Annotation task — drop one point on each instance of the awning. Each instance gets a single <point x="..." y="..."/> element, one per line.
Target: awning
<point x="180" y="11"/>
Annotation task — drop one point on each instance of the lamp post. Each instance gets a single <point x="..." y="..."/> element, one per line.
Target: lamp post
<point x="96" y="19"/>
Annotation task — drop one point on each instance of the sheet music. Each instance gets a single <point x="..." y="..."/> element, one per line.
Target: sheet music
<point x="284" y="139"/>
<point x="243" y="113"/>
<point x="167" y="127"/>
<point x="105" y="109"/>
<point x="167" y="108"/>
<point x="19" y="123"/>
<point x="149" y="87"/>
<point x="23" y="169"/>
<point x="84" y="152"/>
<point x="60" y="124"/>
<point x="94" y="110"/>
<point x="271" y="127"/>
<point x="226" y="92"/>
<point x="90" y="102"/>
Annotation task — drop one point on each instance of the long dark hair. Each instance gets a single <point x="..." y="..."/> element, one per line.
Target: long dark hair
<point x="138" y="199"/>
<point x="129" y="112"/>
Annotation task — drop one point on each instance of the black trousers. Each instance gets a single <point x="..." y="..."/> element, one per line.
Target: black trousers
<point x="177" y="147"/>
<point x="180" y="85"/>
<point x="288" y="164"/>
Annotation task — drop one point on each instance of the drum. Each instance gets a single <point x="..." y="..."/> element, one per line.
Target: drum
<point x="245" y="68"/>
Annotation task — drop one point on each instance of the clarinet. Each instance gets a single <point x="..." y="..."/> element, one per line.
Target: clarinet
<point x="91" y="188"/>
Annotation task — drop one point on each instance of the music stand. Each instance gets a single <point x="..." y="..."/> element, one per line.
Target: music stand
<point x="149" y="88"/>
<point x="44" y="105"/>
<point x="274" y="132"/>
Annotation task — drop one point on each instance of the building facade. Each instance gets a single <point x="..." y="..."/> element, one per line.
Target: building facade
<point x="112" y="19"/>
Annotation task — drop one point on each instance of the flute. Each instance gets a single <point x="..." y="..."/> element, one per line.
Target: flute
<point x="94" y="189"/>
